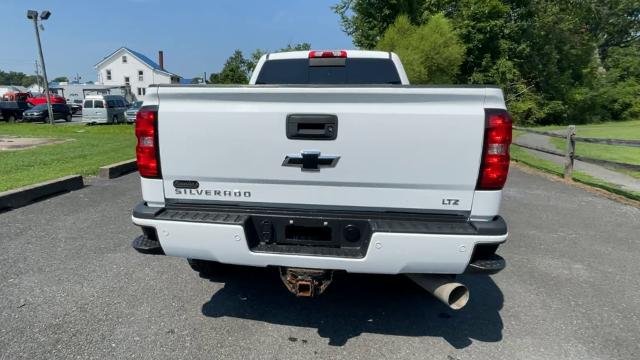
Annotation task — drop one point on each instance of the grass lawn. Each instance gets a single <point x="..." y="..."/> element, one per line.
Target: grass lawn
<point x="628" y="130"/>
<point x="88" y="148"/>
<point x="521" y="155"/>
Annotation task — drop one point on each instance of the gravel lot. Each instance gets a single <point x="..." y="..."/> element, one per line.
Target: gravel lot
<point x="72" y="287"/>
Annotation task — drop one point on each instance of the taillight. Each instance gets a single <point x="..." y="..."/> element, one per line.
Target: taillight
<point x="495" y="152"/>
<point x="317" y="54"/>
<point x="147" y="148"/>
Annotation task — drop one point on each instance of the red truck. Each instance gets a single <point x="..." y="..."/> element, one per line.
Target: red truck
<point x="33" y="100"/>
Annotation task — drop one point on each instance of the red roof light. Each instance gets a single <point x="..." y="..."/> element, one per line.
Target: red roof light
<point x="316" y="54"/>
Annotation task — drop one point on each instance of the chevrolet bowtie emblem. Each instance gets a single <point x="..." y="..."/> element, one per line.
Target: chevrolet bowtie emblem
<point x="310" y="160"/>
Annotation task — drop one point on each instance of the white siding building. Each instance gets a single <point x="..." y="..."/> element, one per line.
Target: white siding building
<point x="125" y="67"/>
<point x="35" y="88"/>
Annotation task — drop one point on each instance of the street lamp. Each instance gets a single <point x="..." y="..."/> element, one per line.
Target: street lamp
<point x="33" y="15"/>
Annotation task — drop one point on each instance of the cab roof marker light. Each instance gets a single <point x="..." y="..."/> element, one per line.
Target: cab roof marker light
<point x="317" y="54"/>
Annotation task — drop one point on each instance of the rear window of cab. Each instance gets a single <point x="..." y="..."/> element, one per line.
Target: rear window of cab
<point x="354" y="71"/>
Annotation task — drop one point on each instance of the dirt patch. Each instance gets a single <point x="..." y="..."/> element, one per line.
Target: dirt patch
<point x="9" y="143"/>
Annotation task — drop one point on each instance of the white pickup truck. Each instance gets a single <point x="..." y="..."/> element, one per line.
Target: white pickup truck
<point x="328" y="161"/>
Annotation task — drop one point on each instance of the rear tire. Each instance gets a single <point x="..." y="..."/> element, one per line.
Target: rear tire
<point x="204" y="267"/>
<point x="68" y="118"/>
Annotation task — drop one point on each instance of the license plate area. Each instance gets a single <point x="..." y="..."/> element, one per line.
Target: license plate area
<point x="307" y="235"/>
<point x="312" y="234"/>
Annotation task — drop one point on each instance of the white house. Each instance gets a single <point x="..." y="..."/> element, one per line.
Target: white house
<point x="125" y="67"/>
<point x="35" y="88"/>
<point x="11" y="88"/>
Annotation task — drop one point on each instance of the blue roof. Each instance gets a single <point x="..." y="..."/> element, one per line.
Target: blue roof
<point x="141" y="57"/>
<point x="144" y="59"/>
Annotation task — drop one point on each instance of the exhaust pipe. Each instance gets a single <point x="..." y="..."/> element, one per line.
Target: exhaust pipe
<point x="455" y="295"/>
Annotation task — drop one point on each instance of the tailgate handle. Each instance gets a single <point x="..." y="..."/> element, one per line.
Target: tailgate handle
<point x="312" y="127"/>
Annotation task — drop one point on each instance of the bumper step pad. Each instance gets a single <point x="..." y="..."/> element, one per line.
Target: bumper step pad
<point x="489" y="266"/>
<point x="144" y="245"/>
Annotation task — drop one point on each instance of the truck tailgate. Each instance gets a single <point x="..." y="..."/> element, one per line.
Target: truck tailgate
<point x="395" y="148"/>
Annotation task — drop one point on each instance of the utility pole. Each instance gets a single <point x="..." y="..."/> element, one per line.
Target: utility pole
<point x="33" y="15"/>
<point x="38" y="76"/>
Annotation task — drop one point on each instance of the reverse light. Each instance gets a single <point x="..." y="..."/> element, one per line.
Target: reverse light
<point x="147" y="147"/>
<point x="495" y="152"/>
<point x="317" y="54"/>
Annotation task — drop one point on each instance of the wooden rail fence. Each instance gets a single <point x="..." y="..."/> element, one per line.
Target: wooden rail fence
<point x="570" y="152"/>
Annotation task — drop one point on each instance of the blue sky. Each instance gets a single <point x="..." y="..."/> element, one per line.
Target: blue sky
<point x="195" y="35"/>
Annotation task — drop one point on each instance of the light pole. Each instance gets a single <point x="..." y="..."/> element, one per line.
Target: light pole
<point x="33" y="15"/>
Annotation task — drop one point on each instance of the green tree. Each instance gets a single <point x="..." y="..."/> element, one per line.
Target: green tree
<point x="431" y="53"/>
<point x="238" y="69"/>
<point x="235" y="71"/>
<point x="612" y="23"/>
<point x="296" y="47"/>
<point x="614" y="92"/>
<point x="61" y="79"/>
<point x="253" y="60"/>
<point x="17" y="78"/>
<point x="367" y="20"/>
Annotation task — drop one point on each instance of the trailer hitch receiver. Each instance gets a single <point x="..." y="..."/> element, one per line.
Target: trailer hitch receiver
<point x="306" y="282"/>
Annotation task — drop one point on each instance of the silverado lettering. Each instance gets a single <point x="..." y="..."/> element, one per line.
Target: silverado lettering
<point x="219" y="193"/>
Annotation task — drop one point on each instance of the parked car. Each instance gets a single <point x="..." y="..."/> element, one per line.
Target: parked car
<point x="41" y="113"/>
<point x="13" y="110"/>
<point x="345" y="171"/>
<point x="75" y="105"/>
<point x="132" y="111"/>
<point x="104" y="109"/>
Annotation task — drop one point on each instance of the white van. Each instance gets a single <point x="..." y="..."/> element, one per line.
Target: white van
<point x="104" y="109"/>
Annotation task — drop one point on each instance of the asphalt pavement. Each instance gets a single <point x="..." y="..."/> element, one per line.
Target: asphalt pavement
<point x="72" y="287"/>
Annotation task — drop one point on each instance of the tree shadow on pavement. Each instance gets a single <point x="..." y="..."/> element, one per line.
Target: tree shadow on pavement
<point x="354" y="304"/>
